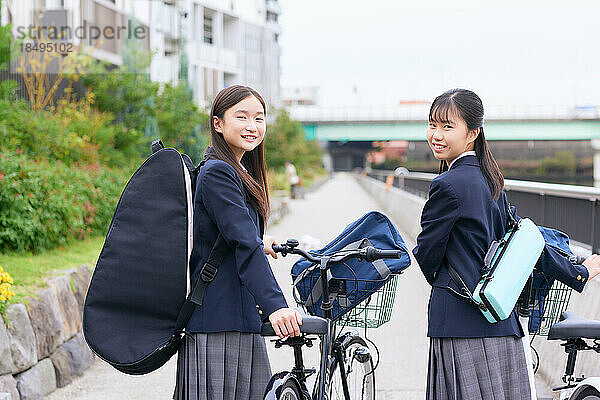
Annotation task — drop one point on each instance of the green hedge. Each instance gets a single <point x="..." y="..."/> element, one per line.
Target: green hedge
<point x="44" y="204"/>
<point x="73" y="133"/>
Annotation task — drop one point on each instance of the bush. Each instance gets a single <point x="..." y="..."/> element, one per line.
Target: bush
<point x="44" y="204"/>
<point x="72" y="133"/>
<point x="563" y="162"/>
<point x="7" y="52"/>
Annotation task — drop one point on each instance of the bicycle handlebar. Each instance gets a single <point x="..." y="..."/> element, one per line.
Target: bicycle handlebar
<point x="368" y="253"/>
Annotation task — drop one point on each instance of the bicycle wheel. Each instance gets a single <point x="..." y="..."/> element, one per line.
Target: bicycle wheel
<point x="289" y="391"/>
<point x="588" y="394"/>
<point x="359" y="373"/>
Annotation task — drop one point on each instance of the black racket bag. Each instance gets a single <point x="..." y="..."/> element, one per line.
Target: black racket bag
<point x="140" y="297"/>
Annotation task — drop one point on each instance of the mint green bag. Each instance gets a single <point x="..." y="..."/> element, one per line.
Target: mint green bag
<point x="508" y="264"/>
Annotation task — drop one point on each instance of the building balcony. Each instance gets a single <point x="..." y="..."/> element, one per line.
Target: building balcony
<point x="273" y="7"/>
<point x="274" y="27"/>
<point x="165" y="69"/>
<point x="166" y="18"/>
<point x="208" y="53"/>
<point x="224" y="58"/>
<point x="229" y="58"/>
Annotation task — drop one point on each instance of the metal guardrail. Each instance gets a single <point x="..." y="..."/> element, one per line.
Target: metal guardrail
<point x="572" y="209"/>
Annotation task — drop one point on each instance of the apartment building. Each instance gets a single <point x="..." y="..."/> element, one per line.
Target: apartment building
<point x="224" y="42"/>
<point x="234" y="42"/>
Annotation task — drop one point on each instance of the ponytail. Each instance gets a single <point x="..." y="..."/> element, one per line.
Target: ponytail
<point x="489" y="167"/>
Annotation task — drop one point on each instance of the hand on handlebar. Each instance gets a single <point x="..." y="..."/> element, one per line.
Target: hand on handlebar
<point x="269" y="242"/>
<point x="286" y="322"/>
<point x="592" y="263"/>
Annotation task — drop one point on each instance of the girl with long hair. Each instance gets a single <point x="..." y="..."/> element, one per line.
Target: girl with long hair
<point x="223" y="355"/>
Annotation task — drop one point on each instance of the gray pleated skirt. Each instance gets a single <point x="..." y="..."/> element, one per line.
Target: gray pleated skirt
<point x="477" y="369"/>
<point x="222" y="366"/>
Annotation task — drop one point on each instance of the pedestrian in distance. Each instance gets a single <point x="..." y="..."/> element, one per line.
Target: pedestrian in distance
<point x="223" y="355"/>
<point x="469" y="357"/>
<point x="292" y="178"/>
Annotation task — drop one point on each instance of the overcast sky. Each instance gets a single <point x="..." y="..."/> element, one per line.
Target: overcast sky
<point x="508" y="52"/>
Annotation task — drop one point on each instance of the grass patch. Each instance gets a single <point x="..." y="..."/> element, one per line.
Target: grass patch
<point x="30" y="271"/>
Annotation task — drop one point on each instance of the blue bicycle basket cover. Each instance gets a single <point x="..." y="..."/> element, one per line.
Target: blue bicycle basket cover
<point x="353" y="281"/>
<point x="541" y="283"/>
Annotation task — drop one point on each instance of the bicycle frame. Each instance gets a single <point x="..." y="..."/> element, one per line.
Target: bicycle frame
<point x="331" y="350"/>
<point x="328" y="346"/>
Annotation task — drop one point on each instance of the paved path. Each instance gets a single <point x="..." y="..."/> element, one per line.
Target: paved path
<point x="323" y="215"/>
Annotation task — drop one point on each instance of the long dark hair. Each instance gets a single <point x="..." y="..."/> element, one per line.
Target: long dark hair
<point x="468" y="106"/>
<point x="255" y="180"/>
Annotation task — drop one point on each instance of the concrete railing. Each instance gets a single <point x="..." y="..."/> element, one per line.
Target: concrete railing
<point x="405" y="208"/>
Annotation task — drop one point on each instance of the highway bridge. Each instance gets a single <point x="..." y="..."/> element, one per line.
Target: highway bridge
<point x="347" y="134"/>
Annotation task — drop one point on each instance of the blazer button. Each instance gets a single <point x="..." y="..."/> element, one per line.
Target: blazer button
<point x="257" y="306"/>
<point x="582" y="279"/>
<point x="578" y="277"/>
<point x="260" y="312"/>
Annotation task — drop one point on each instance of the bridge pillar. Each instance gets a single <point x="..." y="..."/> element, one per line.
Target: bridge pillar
<point x="596" y="147"/>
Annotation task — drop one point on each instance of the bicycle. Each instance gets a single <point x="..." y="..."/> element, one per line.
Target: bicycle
<point x="558" y="324"/>
<point x="347" y="353"/>
<point x="572" y="330"/>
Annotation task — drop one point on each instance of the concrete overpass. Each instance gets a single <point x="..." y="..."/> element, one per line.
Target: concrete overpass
<point x="347" y="134"/>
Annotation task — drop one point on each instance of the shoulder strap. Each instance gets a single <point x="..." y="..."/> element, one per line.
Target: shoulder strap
<point x="511" y="221"/>
<point x="207" y="274"/>
<point x="465" y="293"/>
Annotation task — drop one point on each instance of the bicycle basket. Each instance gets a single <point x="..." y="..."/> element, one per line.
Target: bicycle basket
<point x="548" y="304"/>
<point x="356" y="302"/>
<point x="352" y="282"/>
<point x="375" y="310"/>
<point x="547" y="298"/>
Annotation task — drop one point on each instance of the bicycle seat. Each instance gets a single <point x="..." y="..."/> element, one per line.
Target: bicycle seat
<point x="310" y="325"/>
<point x="572" y="326"/>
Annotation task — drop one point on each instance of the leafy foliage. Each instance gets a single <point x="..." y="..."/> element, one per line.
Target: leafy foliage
<point x="180" y="123"/>
<point x="563" y="162"/>
<point x="7" y="52"/>
<point x="73" y="133"/>
<point x="127" y="95"/>
<point x="285" y="141"/>
<point x="43" y="204"/>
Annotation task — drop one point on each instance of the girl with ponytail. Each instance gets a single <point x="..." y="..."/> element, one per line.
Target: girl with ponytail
<point x="470" y="358"/>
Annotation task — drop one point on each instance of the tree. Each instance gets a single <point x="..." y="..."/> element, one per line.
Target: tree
<point x="7" y="53"/>
<point x="286" y="141"/>
<point x="127" y="93"/>
<point x="180" y="123"/>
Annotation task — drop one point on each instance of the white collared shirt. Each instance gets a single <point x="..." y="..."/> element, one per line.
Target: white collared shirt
<point x="466" y="153"/>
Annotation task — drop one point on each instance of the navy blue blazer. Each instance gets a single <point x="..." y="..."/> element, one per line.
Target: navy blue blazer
<point x="459" y="222"/>
<point x="244" y="292"/>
